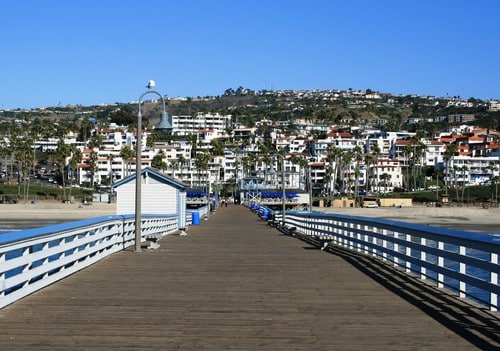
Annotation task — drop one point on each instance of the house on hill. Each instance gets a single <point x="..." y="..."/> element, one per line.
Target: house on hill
<point x="159" y="195"/>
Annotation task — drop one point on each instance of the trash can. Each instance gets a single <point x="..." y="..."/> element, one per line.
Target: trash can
<point x="195" y="218"/>
<point x="265" y="214"/>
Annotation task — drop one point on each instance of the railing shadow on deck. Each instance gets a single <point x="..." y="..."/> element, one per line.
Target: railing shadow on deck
<point x="474" y="323"/>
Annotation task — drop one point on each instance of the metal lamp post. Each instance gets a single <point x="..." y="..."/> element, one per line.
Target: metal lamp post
<point x="164" y="125"/>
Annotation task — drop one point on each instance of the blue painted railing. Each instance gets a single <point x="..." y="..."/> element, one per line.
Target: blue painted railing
<point x="34" y="258"/>
<point x="466" y="263"/>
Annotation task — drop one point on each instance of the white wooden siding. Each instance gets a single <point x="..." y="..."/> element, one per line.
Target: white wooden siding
<point x="156" y="198"/>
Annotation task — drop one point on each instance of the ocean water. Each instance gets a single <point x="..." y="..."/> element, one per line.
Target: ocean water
<point x="8" y="226"/>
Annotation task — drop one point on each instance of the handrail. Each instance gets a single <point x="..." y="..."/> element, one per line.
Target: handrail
<point x="34" y="258"/>
<point x="466" y="263"/>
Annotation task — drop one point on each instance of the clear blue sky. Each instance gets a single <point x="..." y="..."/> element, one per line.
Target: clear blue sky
<point x="102" y="51"/>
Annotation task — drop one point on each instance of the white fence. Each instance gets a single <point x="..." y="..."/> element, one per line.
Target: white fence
<point x="466" y="263"/>
<point x="32" y="259"/>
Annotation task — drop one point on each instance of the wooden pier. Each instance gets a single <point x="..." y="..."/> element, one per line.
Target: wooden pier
<point x="236" y="283"/>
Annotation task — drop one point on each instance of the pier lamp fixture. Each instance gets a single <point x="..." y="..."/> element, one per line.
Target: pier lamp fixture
<point x="165" y="126"/>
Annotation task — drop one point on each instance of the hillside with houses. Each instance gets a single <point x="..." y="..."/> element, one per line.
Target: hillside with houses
<point x="329" y="143"/>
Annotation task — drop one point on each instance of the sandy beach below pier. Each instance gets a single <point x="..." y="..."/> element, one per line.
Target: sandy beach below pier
<point x="453" y="217"/>
<point x="54" y="210"/>
<point x="467" y="218"/>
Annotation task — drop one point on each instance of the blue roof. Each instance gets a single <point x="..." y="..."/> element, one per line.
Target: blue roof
<point x="193" y="193"/>
<point x="154" y="174"/>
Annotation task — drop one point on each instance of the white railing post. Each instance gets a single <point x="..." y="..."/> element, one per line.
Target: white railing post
<point x="395" y="259"/>
<point x="440" y="263"/>
<point x="494" y="280"/>
<point x="463" y="270"/>
<point x="384" y="245"/>
<point x="423" y="258"/>
<point x="374" y="240"/>
<point x="408" y="252"/>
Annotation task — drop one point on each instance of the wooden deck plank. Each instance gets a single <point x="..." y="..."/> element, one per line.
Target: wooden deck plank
<point x="235" y="283"/>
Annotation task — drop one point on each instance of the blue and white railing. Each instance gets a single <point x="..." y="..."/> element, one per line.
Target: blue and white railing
<point x="34" y="258"/>
<point x="466" y="263"/>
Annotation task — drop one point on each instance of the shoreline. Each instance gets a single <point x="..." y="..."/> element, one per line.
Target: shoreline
<point x="461" y="218"/>
<point x="54" y="210"/>
<point x="23" y="215"/>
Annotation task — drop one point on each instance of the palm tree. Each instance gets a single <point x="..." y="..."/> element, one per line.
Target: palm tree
<point x="63" y="151"/>
<point x="449" y="153"/>
<point x="385" y="177"/>
<point x="368" y="159"/>
<point x="358" y="157"/>
<point x="201" y="164"/>
<point x="492" y="167"/>
<point x="93" y="166"/>
<point x="181" y="162"/>
<point x="346" y="158"/>
<point x="407" y="152"/>
<point x="463" y="169"/>
<point x="456" y="169"/>
<point x="173" y="165"/>
<point x="127" y="154"/>
<point x="420" y="149"/>
<point x="76" y="158"/>
<point x="111" y="158"/>
<point x="95" y="142"/>
<point x="158" y="162"/>
<point x="375" y="150"/>
<point x="333" y="156"/>
<point x="22" y="148"/>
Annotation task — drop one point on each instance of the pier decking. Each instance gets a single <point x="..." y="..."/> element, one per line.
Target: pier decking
<point x="236" y="283"/>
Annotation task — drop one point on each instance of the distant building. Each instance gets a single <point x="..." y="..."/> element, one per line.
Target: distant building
<point x="494" y="105"/>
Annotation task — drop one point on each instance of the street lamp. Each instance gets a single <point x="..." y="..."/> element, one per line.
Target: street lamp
<point x="165" y="126"/>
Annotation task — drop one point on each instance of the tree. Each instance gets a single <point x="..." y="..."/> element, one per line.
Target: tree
<point x="463" y="169"/>
<point x="96" y="142"/>
<point x="375" y="150"/>
<point x="217" y="147"/>
<point x="385" y="177"/>
<point x="122" y="118"/>
<point x="448" y="155"/>
<point x="111" y="158"/>
<point x="22" y="148"/>
<point x="127" y="154"/>
<point x="358" y="157"/>
<point x="158" y="162"/>
<point x="333" y="156"/>
<point x="76" y="158"/>
<point x="346" y="160"/>
<point x="93" y="166"/>
<point x="85" y="129"/>
<point x="63" y="151"/>
<point x="201" y="164"/>
<point x="182" y="161"/>
<point x="368" y="159"/>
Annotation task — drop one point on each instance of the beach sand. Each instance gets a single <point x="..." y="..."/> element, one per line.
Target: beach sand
<point x="466" y="218"/>
<point x="54" y="211"/>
